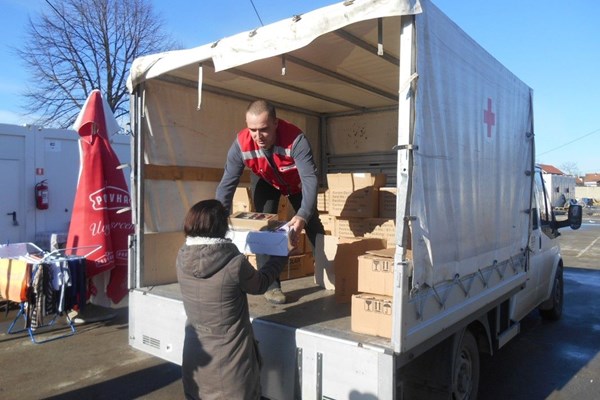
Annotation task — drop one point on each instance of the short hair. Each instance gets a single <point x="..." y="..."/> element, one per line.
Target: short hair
<point x="260" y="106"/>
<point x="207" y="218"/>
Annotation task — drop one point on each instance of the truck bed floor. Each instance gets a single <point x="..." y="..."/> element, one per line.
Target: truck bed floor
<point x="309" y="307"/>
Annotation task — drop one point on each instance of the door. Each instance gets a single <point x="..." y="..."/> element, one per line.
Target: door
<point x="545" y="253"/>
<point x="542" y="248"/>
<point x="12" y="211"/>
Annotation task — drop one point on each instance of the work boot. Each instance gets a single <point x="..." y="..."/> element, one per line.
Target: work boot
<point x="275" y="296"/>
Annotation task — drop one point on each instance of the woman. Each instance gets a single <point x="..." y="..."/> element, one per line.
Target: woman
<point x="220" y="356"/>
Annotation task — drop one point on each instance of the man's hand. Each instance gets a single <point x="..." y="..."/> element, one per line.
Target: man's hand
<point x="296" y="225"/>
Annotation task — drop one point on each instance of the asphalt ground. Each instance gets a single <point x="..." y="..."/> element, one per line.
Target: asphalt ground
<point x="547" y="360"/>
<point x="556" y="360"/>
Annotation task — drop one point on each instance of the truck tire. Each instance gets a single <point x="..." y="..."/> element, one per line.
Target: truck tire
<point x="465" y="372"/>
<point x="552" y="308"/>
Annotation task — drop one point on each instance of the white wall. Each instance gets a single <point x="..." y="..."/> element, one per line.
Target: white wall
<point x="558" y="185"/>
<point x="34" y="154"/>
<point x="589" y="192"/>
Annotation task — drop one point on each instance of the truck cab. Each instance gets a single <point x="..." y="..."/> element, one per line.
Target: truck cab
<point x="546" y="264"/>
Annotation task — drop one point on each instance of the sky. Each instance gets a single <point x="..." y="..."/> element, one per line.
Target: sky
<point x="551" y="45"/>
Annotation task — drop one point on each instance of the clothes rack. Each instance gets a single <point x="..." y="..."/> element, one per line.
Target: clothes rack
<point x="53" y="284"/>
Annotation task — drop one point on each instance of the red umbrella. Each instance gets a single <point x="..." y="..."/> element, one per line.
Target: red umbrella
<point x="101" y="193"/>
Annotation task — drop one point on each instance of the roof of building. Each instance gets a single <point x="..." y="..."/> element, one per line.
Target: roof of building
<point x="550" y="169"/>
<point x="595" y="177"/>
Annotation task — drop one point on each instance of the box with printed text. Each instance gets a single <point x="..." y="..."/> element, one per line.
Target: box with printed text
<point x="371" y="314"/>
<point x="336" y="263"/>
<point x="376" y="272"/>
<point x="354" y="194"/>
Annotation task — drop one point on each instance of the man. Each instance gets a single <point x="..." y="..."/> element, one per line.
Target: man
<point x="281" y="161"/>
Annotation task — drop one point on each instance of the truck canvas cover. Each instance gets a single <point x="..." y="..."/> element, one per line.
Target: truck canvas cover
<point x="462" y="131"/>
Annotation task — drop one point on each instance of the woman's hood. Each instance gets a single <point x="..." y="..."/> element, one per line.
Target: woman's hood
<point x="203" y="257"/>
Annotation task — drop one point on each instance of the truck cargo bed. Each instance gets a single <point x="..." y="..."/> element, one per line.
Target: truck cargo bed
<point x="308" y="307"/>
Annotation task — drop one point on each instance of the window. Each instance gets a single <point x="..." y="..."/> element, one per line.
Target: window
<point x="545" y="211"/>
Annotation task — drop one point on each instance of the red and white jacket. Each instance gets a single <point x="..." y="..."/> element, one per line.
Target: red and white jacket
<point x="285" y="177"/>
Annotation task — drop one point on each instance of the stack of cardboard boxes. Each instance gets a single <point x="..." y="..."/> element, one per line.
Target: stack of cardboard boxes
<point x="356" y="255"/>
<point x="372" y="306"/>
<point x="357" y="205"/>
<point x="361" y="219"/>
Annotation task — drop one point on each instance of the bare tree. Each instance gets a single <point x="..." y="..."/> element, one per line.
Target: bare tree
<point x="570" y="168"/>
<point x="81" y="45"/>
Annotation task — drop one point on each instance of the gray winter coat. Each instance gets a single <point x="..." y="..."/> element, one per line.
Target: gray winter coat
<point x="220" y="357"/>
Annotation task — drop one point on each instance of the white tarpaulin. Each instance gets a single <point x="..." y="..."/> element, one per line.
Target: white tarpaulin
<point x="473" y="126"/>
<point x="472" y="117"/>
<point x="271" y="40"/>
<point x="288" y="35"/>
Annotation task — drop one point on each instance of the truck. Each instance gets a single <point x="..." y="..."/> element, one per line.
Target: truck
<point x="389" y="87"/>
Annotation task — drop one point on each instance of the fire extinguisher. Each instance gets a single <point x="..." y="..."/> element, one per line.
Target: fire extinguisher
<point x="41" y="195"/>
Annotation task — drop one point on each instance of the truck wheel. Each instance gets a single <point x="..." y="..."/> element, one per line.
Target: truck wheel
<point x="465" y="375"/>
<point x="556" y="298"/>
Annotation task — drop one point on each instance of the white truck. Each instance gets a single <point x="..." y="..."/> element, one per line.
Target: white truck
<point x="382" y="86"/>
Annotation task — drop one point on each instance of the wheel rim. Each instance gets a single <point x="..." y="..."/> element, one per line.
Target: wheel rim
<point x="464" y="375"/>
<point x="557" y="291"/>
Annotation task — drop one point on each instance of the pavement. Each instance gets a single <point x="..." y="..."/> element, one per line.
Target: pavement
<point x="96" y="362"/>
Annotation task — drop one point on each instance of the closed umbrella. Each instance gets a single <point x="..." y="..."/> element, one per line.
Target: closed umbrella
<point x="101" y="215"/>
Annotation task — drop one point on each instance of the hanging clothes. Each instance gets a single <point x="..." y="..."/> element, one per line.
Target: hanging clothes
<point x="55" y="287"/>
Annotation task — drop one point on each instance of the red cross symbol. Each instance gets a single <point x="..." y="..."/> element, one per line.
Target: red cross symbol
<point x="489" y="118"/>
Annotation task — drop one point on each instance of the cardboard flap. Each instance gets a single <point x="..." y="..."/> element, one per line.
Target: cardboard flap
<point x="389" y="252"/>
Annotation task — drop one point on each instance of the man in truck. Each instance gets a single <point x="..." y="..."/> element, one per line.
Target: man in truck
<point x="281" y="161"/>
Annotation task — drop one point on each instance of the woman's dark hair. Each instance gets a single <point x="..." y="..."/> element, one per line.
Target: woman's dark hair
<point x="207" y="218"/>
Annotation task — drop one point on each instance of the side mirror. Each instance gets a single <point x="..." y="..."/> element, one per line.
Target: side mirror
<point x="575" y="216"/>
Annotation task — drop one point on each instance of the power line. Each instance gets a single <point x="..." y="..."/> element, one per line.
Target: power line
<point x="256" y="11"/>
<point x="572" y="141"/>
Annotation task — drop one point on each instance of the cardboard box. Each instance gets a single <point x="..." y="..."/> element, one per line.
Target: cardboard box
<point x="242" y="200"/>
<point x="261" y="242"/>
<point x="376" y="272"/>
<point x="371" y="314"/>
<point x="285" y="211"/>
<point x="297" y="267"/>
<point x="361" y="203"/>
<point x="322" y="200"/>
<point x="382" y="228"/>
<point x="254" y="221"/>
<point x="351" y="227"/>
<point x="354" y="194"/>
<point x="336" y="263"/>
<point x="387" y="202"/>
<point x="354" y="181"/>
<point x="303" y="245"/>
